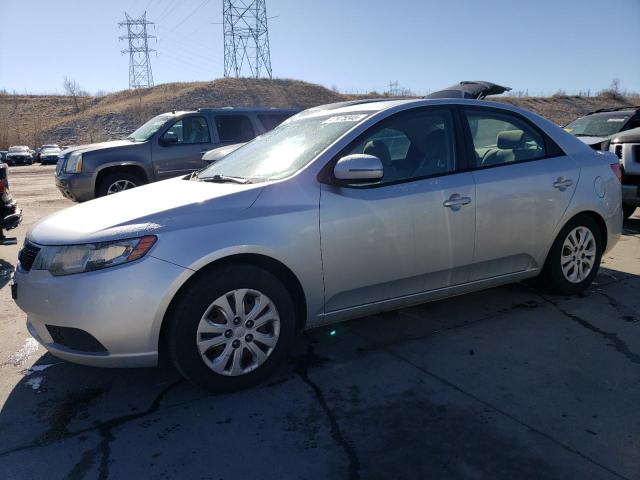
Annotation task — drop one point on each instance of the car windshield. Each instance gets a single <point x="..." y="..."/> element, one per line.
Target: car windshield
<point x="145" y="132"/>
<point x="598" y="124"/>
<point x="50" y="150"/>
<point x="284" y="150"/>
<point x="18" y="149"/>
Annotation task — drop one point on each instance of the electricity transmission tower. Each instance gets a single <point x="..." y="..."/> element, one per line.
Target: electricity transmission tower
<point x="140" y="75"/>
<point x="246" y="38"/>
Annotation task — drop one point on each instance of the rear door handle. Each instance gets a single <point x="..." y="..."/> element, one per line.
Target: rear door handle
<point x="456" y="202"/>
<point x="562" y="184"/>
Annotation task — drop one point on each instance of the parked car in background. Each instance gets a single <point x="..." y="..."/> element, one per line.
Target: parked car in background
<point x="598" y="126"/>
<point x="19" y="155"/>
<point x="169" y="145"/>
<point x="10" y="214"/>
<point x="49" y="154"/>
<point x="343" y="211"/>
<point x="43" y="147"/>
<point x="3" y="155"/>
<point x="475" y="89"/>
<point x="626" y="146"/>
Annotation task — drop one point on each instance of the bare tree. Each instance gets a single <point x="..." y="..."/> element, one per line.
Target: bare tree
<point x="72" y="88"/>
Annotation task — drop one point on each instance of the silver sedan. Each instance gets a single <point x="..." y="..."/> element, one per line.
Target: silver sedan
<point x="344" y="210"/>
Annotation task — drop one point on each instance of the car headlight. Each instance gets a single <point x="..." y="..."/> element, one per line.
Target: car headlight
<point x="74" y="164"/>
<point x="87" y="257"/>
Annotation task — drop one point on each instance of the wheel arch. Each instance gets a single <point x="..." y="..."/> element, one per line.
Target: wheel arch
<point x="133" y="168"/>
<point x="284" y="273"/>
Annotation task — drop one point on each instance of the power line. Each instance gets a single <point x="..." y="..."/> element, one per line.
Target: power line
<point x="140" y="75"/>
<point x="246" y="38"/>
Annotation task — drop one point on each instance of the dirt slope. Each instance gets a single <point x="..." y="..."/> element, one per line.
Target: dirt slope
<point x="37" y="119"/>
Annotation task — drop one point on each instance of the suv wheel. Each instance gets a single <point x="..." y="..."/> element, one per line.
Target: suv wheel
<point x="627" y="210"/>
<point x="574" y="258"/>
<point x="231" y="328"/>
<point x="117" y="182"/>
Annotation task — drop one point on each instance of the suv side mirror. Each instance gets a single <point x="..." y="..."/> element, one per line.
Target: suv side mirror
<point x="169" y="138"/>
<point x="358" y="168"/>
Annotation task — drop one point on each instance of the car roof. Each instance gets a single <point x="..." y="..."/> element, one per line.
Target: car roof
<point x="248" y="110"/>
<point x="626" y="109"/>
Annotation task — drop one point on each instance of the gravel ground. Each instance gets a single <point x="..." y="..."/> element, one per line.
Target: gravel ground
<point x="505" y="383"/>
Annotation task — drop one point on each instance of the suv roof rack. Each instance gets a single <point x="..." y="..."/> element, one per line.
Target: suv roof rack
<point x="616" y="109"/>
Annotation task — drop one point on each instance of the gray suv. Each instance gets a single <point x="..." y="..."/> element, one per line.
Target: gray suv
<point x="168" y="145"/>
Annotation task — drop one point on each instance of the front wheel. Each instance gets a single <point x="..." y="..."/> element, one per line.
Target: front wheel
<point x="231" y="328"/>
<point x="118" y="182"/>
<point x="574" y="258"/>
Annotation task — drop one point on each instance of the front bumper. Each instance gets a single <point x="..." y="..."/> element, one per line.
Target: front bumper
<point x="77" y="187"/>
<point x="631" y="195"/>
<point x="121" y="307"/>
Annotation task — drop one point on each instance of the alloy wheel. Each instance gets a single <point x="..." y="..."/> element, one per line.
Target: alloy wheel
<point x="238" y="332"/>
<point x="578" y="254"/>
<point x="119" y="186"/>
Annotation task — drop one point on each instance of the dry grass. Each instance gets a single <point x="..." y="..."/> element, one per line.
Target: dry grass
<point x="38" y="119"/>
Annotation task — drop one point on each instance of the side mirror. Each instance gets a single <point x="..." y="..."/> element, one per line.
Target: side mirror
<point x="169" y="138"/>
<point x="358" y="168"/>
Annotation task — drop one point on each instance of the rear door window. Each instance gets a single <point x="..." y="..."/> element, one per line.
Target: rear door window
<point x="500" y="138"/>
<point x="234" y="128"/>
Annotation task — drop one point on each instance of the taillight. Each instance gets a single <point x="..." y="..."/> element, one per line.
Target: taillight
<point x="617" y="171"/>
<point x="2" y="187"/>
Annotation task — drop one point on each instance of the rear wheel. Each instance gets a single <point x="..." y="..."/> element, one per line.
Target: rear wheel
<point x="628" y="210"/>
<point x="231" y="328"/>
<point x="118" y="182"/>
<point x="574" y="258"/>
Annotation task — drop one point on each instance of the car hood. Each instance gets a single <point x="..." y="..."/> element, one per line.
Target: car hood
<point x="628" y="136"/>
<point x="151" y="209"/>
<point x="591" y="140"/>
<point x="219" y="153"/>
<point x="89" y="147"/>
<point x="20" y="154"/>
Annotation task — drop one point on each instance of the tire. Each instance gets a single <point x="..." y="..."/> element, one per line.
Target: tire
<point x="570" y="281"/>
<point x="627" y="210"/>
<point x="111" y="179"/>
<point x="213" y="369"/>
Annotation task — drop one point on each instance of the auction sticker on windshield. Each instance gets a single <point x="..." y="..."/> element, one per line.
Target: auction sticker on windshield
<point x="345" y="118"/>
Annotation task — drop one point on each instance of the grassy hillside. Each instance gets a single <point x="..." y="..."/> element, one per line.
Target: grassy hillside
<point x="37" y="119"/>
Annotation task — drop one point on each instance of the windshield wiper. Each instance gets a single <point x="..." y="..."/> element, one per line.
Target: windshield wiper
<point x="131" y="138"/>
<point x="225" y="178"/>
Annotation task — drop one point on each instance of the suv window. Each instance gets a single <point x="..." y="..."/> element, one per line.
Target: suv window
<point x="271" y="120"/>
<point x="500" y="138"/>
<point x="234" y="128"/>
<point x="189" y="130"/>
<point x="411" y="145"/>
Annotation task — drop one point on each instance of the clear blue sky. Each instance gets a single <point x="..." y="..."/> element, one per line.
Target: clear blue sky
<point x="356" y="45"/>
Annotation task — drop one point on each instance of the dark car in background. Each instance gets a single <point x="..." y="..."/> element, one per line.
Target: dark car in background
<point x="169" y="145"/>
<point x="48" y="154"/>
<point x="3" y="155"/>
<point x="19" y="155"/>
<point x="599" y="125"/>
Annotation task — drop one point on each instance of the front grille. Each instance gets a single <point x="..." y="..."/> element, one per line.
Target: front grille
<point x="618" y="151"/>
<point x="27" y="255"/>
<point x="75" y="339"/>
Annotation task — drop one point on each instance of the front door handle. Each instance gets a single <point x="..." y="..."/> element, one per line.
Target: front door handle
<point x="562" y="184"/>
<point x="456" y="202"/>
